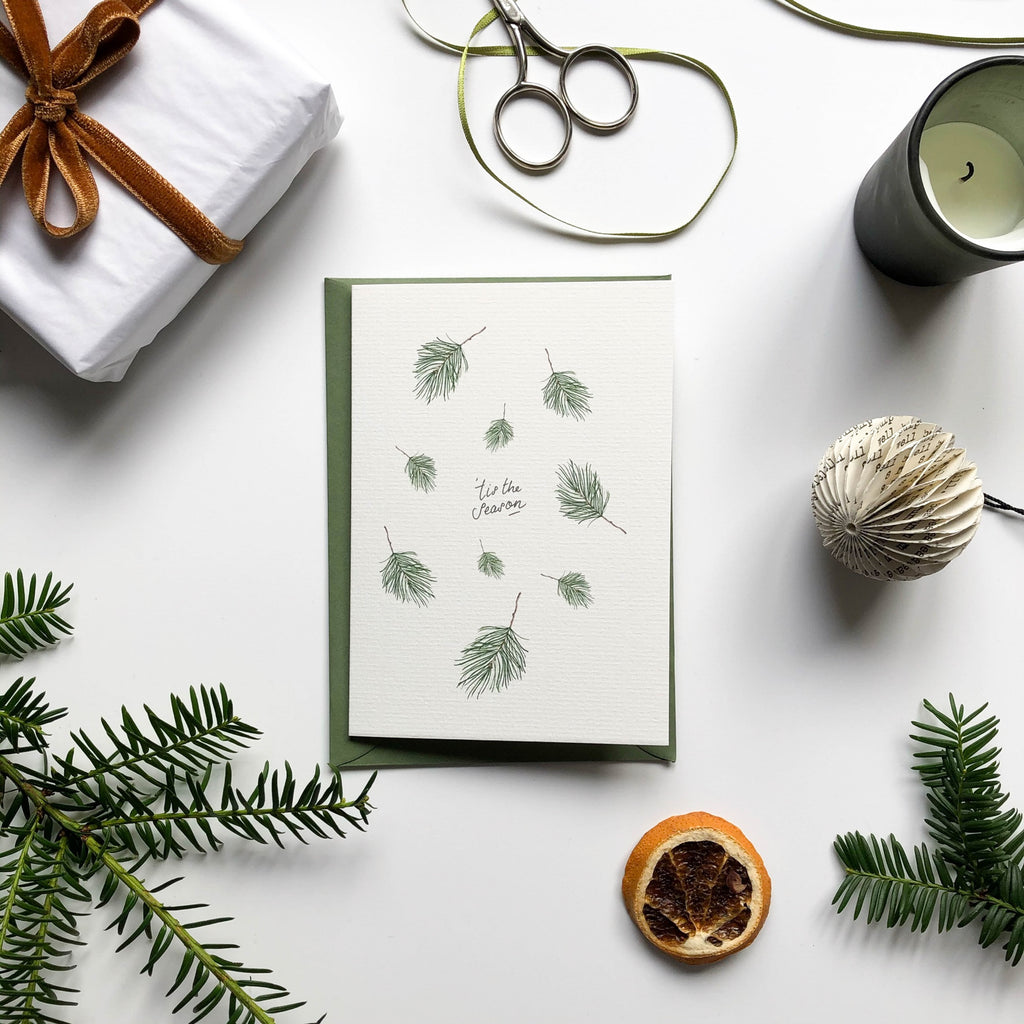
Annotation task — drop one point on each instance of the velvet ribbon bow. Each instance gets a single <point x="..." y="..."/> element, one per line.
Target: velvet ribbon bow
<point x="52" y="133"/>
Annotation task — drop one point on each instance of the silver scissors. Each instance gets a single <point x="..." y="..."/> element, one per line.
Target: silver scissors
<point x="519" y="27"/>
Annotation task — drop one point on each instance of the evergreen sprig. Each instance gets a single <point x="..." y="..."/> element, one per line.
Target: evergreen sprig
<point x="581" y="497"/>
<point x="499" y="434"/>
<point x="439" y="365"/>
<point x="565" y="394"/>
<point x="495" y="658"/>
<point x="406" y="578"/>
<point x="152" y="789"/>
<point x="421" y="471"/>
<point x="490" y="564"/>
<point x="574" y="588"/>
<point x="29" y="617"/>
<point x="974" y="872"/>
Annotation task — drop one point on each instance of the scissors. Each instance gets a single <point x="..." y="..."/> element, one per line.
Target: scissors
<point x="519" y="28"/>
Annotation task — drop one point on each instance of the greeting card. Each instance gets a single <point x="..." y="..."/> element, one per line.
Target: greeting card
<point x="505" y="540"/>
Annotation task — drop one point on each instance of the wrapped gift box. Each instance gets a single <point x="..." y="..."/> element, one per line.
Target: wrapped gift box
<point x="215" y="105"/>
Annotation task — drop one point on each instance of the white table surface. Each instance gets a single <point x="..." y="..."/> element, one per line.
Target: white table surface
<point x="187" y="504"/>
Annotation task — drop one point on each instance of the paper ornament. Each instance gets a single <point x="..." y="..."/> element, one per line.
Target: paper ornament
<point x="894" y="498"/>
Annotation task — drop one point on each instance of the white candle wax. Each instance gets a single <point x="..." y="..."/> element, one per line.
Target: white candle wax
<point x="975" y="180"/>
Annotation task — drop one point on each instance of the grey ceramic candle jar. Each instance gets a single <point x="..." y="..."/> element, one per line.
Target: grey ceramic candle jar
<point x="946" y="199"/>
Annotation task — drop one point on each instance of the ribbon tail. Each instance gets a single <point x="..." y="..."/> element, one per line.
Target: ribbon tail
<point x="13" y="137"/>
<point x="157" y="194"/>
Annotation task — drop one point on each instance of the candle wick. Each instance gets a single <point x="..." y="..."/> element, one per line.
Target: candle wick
<point x="970" y="172"/>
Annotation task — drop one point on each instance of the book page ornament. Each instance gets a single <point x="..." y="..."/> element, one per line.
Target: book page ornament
<point x="895" y="499"/>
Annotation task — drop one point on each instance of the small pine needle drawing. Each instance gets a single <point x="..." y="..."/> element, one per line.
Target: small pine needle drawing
<point x="495" y="658"/>
<point x="565" y="393"/>
<point x="420" y="470"/>
<point x="439" y="365"/>
<point x="405" y="577"/>
<point x="573" y="588"/>
<point x="581" y="497"/>
<point x="490" y="564"/>
<point x="499" y="433"/>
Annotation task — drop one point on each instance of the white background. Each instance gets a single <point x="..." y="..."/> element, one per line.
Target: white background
<point x="187" y="505"/>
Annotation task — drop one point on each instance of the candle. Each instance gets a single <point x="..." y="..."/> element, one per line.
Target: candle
<point x="946" y="199"/>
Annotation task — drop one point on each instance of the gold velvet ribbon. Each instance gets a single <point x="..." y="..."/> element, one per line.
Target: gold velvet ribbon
<point x="51" y="132"/>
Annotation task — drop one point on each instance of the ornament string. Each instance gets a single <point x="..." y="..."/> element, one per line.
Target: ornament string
<point x="469" y="49"/>
<point x="1001" y="506"/>
<point x="900" y="35"/>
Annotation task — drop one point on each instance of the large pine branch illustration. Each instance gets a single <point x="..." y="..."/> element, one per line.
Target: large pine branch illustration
<point x="405" y="577"/>
<point x="573" y="588"/>
<point x="439" y="365"/>
<point x="148" y="790"/>
<point x="976" y="870"/>
<point x="495" y="658"/>
<point x="420" y="470"/>
<point x="565" y="394"/>
<point x="581" y="497"/>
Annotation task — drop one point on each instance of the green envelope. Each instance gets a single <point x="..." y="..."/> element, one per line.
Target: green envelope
<point x="346" y="752"/>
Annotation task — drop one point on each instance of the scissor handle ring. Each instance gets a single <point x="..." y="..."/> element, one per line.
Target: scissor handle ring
<point x="613" y="57"/>
<point x="518" y="91"/>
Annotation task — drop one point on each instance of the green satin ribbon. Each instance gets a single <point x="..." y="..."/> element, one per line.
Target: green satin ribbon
<point x="639" y="53"/>
<point x="901" y="35"/>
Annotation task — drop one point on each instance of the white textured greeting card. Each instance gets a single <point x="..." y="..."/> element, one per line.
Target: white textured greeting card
<point x="511" y="506"/>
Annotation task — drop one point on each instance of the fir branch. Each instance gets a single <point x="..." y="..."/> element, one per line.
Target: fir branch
<point x="565" y="394"/>
<point x="28" y="614"/>
<point x="24" y="716"/>
<point x="573" y="588"/>
<point x="420" y="470"/>
<point x="580" y="495"/>
<point x="439" y="365"/>
<point x="975" y="871"/>
<point x="405" y="577"/>
<point x="499" y="434"/>
<point x="490" y="564"/>
<point x="493" y="659"/>
<point x="166" y="792"/>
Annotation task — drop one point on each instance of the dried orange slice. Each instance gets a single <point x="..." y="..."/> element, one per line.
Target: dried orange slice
<point x="696" y="888"/>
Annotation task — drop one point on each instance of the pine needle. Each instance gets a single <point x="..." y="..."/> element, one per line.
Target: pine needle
<point x="573" y="588"/>
<point x="580" y="495"/>
<point x="498" y="434"/>
<point x="490" y="564"/>
<point x="439" y="365"/>
<point x="406" y="578"/>
<point x="565" y="394"/>
<point x="421" y="471"/>
<point x="495" y="658"/>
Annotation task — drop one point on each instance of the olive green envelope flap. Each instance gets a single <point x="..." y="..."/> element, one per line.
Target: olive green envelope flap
<point x="346" y="752"/>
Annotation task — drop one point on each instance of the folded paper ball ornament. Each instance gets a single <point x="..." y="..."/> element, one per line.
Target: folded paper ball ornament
<point x="895" y="499"/>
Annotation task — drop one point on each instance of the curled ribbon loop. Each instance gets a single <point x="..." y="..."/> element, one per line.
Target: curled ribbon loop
<point x="51" y="133"/>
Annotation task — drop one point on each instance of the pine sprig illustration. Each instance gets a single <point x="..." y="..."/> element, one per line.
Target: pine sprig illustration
<point x="499" y="433"/>
<point x="495" y="658"/>
<point x="565" y="394"/>
<point x="405" y="577"/>
<point x="29" y="617"/>
<point x="439" y="365"/>
<point x="420" y="470"/>
<point x="573" y="588"/>
<point x="88" y="821"/>
<point x="974" y="872"/>
<point x="581" y="497"/>
<point x="490" y="564"/>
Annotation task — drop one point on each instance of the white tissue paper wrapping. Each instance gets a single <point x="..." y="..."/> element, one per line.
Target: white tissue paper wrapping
<point x="218" y="107"/>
